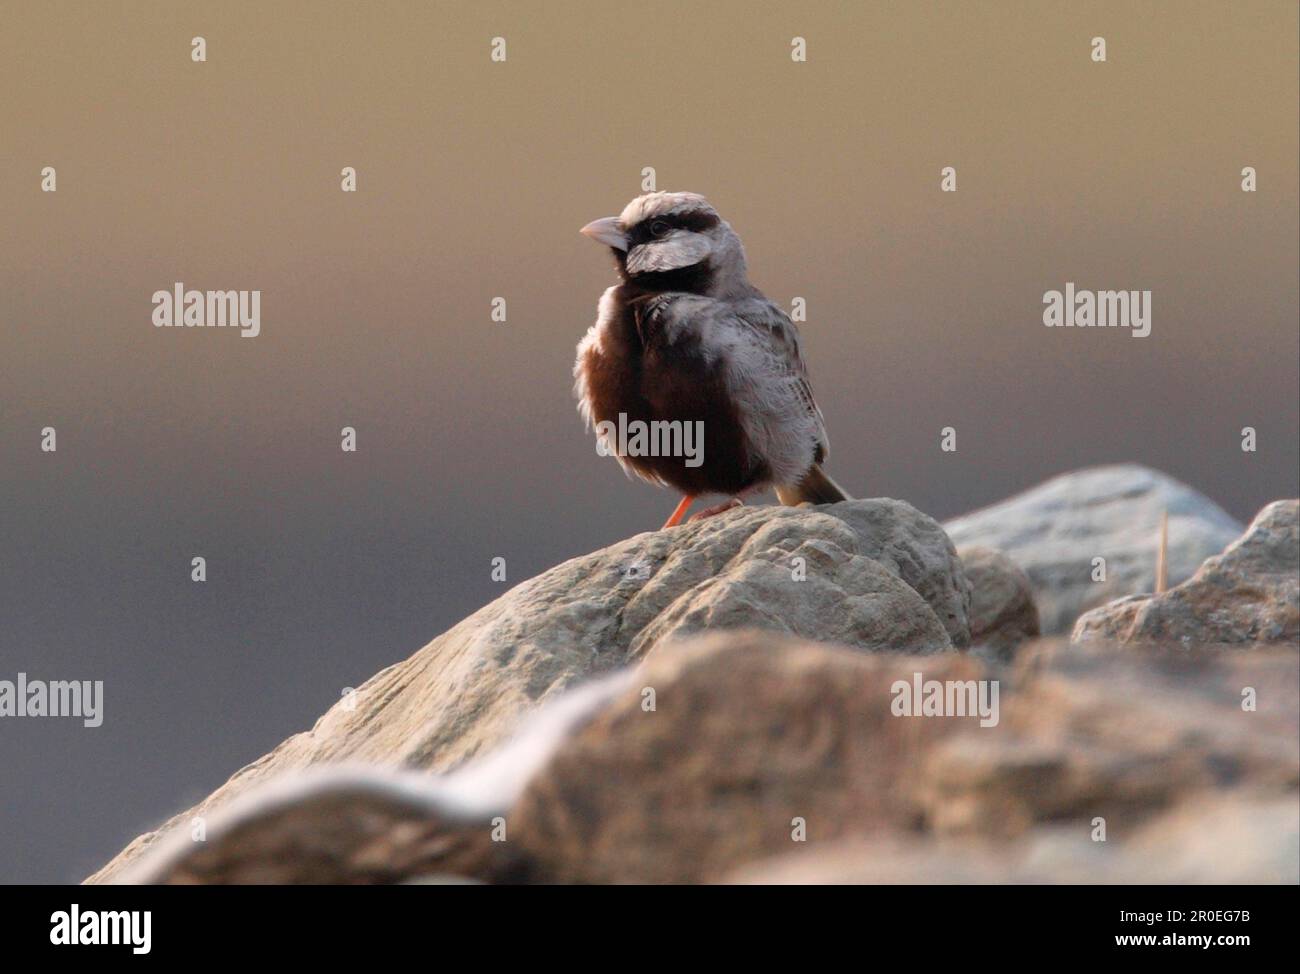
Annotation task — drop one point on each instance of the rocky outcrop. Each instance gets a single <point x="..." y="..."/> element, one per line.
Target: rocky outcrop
<point x="734" y="700"/>
<point x="355" y="823"/>
<point x="1248" y="594"/>
<point x="715" y="756"/>
<point x="336" y="827"/>
<point x="1002" y="613"/>
<point x="676" y="796"/>
<point x="1056" y="530"/>
<point x="1235" y="840"/>
<point x="876" y="575"/>
<point x="752" y="739"/>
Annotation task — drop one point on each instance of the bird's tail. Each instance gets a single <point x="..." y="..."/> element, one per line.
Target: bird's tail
<point x="816" y="488"/>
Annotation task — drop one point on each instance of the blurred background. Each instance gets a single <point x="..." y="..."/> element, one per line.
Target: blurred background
<point x="924" y="311"/>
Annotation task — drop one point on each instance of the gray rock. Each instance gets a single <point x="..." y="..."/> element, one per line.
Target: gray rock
<point x="1248" y="594"/>
<point x="752" y="739"/>
<point x="1002" y="613"/>
<point x="876" y="575"/>
<point x="1055" y="530"/>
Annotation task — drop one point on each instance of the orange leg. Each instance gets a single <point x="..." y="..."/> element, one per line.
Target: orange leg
<point x="676" y="519"/>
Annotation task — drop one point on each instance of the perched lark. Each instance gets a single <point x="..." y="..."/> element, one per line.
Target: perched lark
<point x="685" y="337"/>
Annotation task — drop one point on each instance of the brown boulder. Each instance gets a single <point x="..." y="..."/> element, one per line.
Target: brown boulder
<point x="325" y="828"/>
<point x="728" y="750"/>
<point x="1002" y="611"/>
<point x="1089" y="731"/>
<point x="750" y="736"/>
<point x="1233" y="839"/>
<point x="752" y="732"/>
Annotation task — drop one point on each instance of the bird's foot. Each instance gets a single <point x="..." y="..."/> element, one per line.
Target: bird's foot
<point x="717" y="509"/>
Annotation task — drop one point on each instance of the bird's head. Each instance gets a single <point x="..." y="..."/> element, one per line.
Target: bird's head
<point x="673" y="241"/>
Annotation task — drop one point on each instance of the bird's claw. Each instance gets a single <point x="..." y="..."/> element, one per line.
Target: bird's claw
<point x="717" y="509"/>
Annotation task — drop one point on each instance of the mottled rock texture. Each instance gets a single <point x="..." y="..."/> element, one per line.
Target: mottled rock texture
<point x="1248" y="594"/>
<point x="876" y="575"/>
<point x="717" y="754"/>
<point x="1235" y="840"/>
<point x="1002" y="614"/>
<point x="720" y="702"/>
<point x="1056" y="530"/>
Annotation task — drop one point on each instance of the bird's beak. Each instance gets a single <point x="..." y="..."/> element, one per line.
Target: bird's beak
<point x="606" y="231"/>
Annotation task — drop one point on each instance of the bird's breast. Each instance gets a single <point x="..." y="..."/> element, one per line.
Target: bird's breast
<point x="644" y="374"/>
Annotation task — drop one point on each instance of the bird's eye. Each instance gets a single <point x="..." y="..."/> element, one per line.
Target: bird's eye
<point x="659" y="228"/>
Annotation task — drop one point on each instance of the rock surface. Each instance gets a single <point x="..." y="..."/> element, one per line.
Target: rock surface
<point x="876" y="575"/>
<point x="656" y="712"/>
<point x="1002" y="613"/>
<point x="1109" y="731"/>
<point x="1235" y="840"/>
<point x="1248" y="594"/>
<point x="750" y="740"/>
<point x="355" y="823"/>
<point x="324" y="829"/>
<point x="752" y="736"/>
<point x="1055" y="530"/>
<point x="717" y="776"/>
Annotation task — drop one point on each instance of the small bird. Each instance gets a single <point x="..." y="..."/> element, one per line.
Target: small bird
<point x="685" y="337"/>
